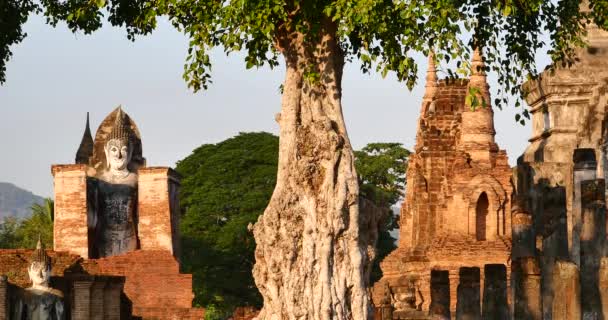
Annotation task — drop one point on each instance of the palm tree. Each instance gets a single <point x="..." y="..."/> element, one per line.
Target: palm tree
<point x="40" y="224"/>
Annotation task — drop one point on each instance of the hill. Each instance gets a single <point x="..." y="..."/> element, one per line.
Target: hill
<point x="15" y="201"/>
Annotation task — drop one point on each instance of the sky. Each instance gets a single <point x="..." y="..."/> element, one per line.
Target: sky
<point x="55" y="77"/>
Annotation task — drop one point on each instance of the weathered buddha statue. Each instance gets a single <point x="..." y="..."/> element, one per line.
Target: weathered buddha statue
<point x="114" y="219"/>
<point x="40" y="301"/>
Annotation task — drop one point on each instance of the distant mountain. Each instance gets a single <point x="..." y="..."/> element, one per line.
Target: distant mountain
<point x="15" y="201"/>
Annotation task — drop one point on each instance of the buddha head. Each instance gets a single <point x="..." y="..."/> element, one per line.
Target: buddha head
<point x="118" y="148"/>
<point x="40" y="267"/>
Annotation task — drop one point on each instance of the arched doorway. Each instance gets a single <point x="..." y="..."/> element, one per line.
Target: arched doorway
<point x="481" y="215"/>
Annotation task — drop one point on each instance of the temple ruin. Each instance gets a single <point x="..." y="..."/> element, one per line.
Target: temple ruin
<point x="455" y="227"/>
<point x="480" y="242"/>
<point x="116" y="236"/>
<point x="559" y="210"/>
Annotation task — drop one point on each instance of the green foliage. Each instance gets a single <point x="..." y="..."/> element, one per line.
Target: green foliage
<point x="381" y="34"/>
<point x="225" y="187"/>
<point x="24" y="233"/>
<point x="13" y="15"/>
<point x="381" y="168"/>
<point x="8" y="233"/>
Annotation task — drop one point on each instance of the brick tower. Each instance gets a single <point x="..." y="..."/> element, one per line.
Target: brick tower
<point x="455" y="226"/>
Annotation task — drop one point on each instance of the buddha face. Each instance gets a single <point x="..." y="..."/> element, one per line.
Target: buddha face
<point x="118" y="154"/>
<point x="39" y="274"/>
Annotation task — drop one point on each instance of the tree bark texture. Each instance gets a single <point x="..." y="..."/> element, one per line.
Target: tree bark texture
<point x="313" y="246"/>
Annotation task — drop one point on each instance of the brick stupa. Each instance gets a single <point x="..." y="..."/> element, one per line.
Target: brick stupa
<point x="144" y="283"/>
<point x="455" y="227"/>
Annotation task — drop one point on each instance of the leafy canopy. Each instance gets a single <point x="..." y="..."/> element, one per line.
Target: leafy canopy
<point x="225" y="187"/>
<point x="15" y="233"/>
<point x="381" y="34"/>
<point x="381" y="169"/>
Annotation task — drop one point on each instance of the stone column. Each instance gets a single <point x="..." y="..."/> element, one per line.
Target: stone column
<point x="566" y="294"/>
<point x="111" y="298"/>
<point x="593" y="234"/>
<point x="523" y="244"/>
<point x="495" y="305"/>
<point x="81" y="310"/>
<point x="585" y="167"/>
<point x="158" y="209"/>
<point x="440" y="295"/>
<point x="3" y="298"/>
<point x="454" y="280"/>
<point x="527" y="293"/>
<point x="97" y="299"/>
<point x="70" y="227"/>
<point x="468" y="304"/>
<point x="603" y="284"/>
<point x="554" y="243"/>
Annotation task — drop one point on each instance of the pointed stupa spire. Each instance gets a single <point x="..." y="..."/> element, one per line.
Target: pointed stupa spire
<point x="430" y="87"/>
<point x="85" y="150"/>
<point x="478" y="76"/>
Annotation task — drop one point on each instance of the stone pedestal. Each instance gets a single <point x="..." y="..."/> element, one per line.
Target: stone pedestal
<point x="158" y="209"/>
<point x="3" y="298"/>
<point x="566" y="295"/>
<point x="70" y="230"/>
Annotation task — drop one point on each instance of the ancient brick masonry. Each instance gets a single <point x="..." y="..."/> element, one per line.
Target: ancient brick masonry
<point x="560" y="193"/>
<point x="455" y="226"/>
<point x="143" y="282"/>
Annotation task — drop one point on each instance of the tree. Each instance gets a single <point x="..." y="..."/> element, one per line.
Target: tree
<point x="310" y="252"/>
<point x="381" y="168"/>
<point x="225" y="187"/>
<point x="24" y="233"/>
<point x="8" y="233"/>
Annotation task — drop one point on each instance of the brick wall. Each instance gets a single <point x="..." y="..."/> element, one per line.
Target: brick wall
<point x="153" y="282"/>
<point x="158" y="216"/>
<point x="70" y="225"/>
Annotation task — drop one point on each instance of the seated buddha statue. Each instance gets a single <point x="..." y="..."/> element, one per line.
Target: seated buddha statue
<point x="40" y="301"/>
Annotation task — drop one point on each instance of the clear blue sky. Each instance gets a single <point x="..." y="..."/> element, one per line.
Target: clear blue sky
<point x="55" y="77"/>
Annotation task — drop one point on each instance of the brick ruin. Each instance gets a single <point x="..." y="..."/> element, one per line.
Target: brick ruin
<point x="455" y="227"/>
<point x="543" y="253"/>
<point x="560" y="268"/>
<point x="144" y="283"/>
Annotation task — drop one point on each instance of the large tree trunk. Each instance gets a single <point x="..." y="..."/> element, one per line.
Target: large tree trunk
<point x="311" y="254"/>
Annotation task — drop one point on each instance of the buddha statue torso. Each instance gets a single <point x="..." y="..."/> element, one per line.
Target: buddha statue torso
<point x="116" y="224"/>
<point x="35" y="304"/>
